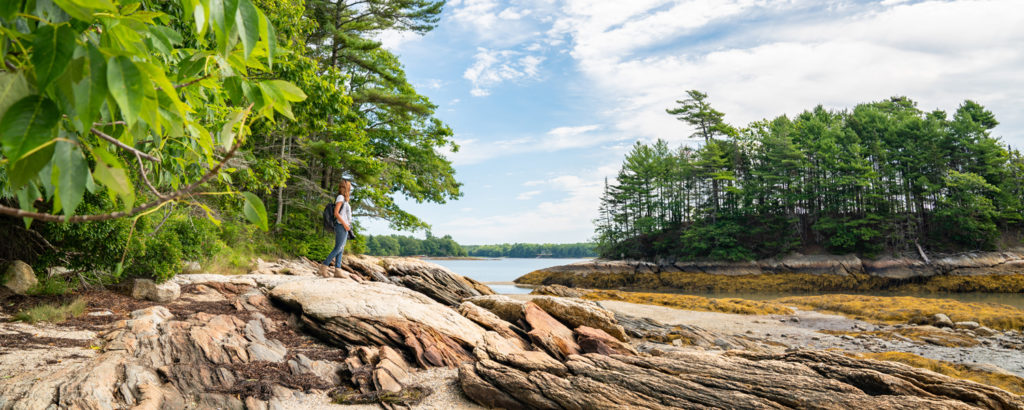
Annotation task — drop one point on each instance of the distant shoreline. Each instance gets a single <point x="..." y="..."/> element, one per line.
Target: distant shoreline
<point x="482" y="258"/>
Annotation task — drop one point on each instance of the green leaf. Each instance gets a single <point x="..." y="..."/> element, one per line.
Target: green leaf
<point x="277" y="98"/>
<point x="26" y="126"/>
<point x="248" y="21"/>
<point x="26" y="200"/>
<point x="270" y="35"/>
<point x="288" y="90"/>
<point x="27" y="168"/>
<point x="105" y="5"/>
<point x="227" y="133"/>
<point x="209" y="214"/>
<point x="97" y="87"/>
<point x="201" y="15"/>
<point x="110" y="173"/>
<point x="254" y="210"/>
<point x="73" y="175"/>
<point x="75" y="10"/>
<point x="126" y="85"/>
<point x="51" y="52"/>
<point x="222" y="20"/>
<point x="8" y="8"/>
<point x="13" y="87"/>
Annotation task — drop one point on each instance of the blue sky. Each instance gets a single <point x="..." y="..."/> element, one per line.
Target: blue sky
<point x="546" y="96"/>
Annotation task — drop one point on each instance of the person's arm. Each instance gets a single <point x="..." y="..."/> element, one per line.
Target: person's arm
<point x="337" y="215"/>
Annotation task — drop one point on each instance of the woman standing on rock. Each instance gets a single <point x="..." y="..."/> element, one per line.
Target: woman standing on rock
<point x="342" y="227"/>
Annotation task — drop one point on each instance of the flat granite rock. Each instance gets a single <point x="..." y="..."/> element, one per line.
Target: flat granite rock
<point x="345" y="312"/>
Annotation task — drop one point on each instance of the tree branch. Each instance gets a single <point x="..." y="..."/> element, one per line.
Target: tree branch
<point x="183" y="85"/>
<point x="145" y="178"/>
<point x="15" y="212"/>
<point x="122" y="145"/>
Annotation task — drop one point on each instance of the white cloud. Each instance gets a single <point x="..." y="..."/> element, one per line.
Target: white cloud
<point x="528" y="195"/>
<point x="395" y="39"/>
<point x="493" y="67"/>
<point x="567" y="219"/>
<point x="472" y="151"/>
<point x="936" y="52"/>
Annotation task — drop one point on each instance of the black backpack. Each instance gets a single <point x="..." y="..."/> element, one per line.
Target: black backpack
<point x="328" y="222"/>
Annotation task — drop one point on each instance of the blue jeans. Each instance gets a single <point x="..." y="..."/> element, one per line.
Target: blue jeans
<point x="340" y="236"/>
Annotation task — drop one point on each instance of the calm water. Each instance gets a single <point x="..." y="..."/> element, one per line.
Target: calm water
<point x="508" y="269"/>
<point x="501" y="270"/>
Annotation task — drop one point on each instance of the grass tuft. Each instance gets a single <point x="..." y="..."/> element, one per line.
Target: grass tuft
<point x="1003" y="381"/>
<point x="52" y="313"/>
<point x="689" y="302"/>
<point x="902" y="309"/>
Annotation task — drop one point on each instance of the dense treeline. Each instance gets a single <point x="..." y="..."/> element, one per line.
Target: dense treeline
<point x="882" y="177"/>
<point x="403" y="245"/>
<point x="166" y="127"/>
<point x="533" y="250"/>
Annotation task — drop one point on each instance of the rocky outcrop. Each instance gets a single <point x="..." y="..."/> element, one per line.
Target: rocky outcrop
<point x="806" y="379"/>
<point x="508" y="309"/>
<point x="598" y="341"/>
<point x="548" y="333"/>
<point x="161" y="293"/>
<point x="18" y="277"/>
<point x="578" y="312"/>
<point x="490" y="321"/>
<point x="347" y="313"/>
<point x="647" y="275"/>
<point x="157" y="360"/>
<point x="557" y="290"/>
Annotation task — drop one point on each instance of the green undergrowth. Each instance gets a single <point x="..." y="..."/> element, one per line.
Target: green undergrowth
<point x="52" y="313"/>
<point x="1003" y="381"/>
<point x="902" y="309"/>
<point x="688" y="302"/>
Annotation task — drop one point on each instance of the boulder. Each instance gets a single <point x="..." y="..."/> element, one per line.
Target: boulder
<point x="160" y="293"/>
<point x="557" y="290"/>
<point x="19" y="277"/>
<point x="802" y="379"/>
<point x="969" y="325"/>
<point x="579" y="312"/>
<point x="430" y="279"/>
<point x="490" y="321"/>
<point x="598" y="341"/>
<point x="508" y="309"/>
<point x="985" y="331"/>
<point x="344" y="312"/>
<point x="940" y="320"/>
<point x="548" y="333"/>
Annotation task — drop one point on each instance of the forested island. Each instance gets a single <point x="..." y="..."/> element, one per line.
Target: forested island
<point x="881" y="178"/>
<point x="404" y="245"/>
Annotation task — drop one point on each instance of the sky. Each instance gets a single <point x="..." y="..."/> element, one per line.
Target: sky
<point x="547" y="96"/>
